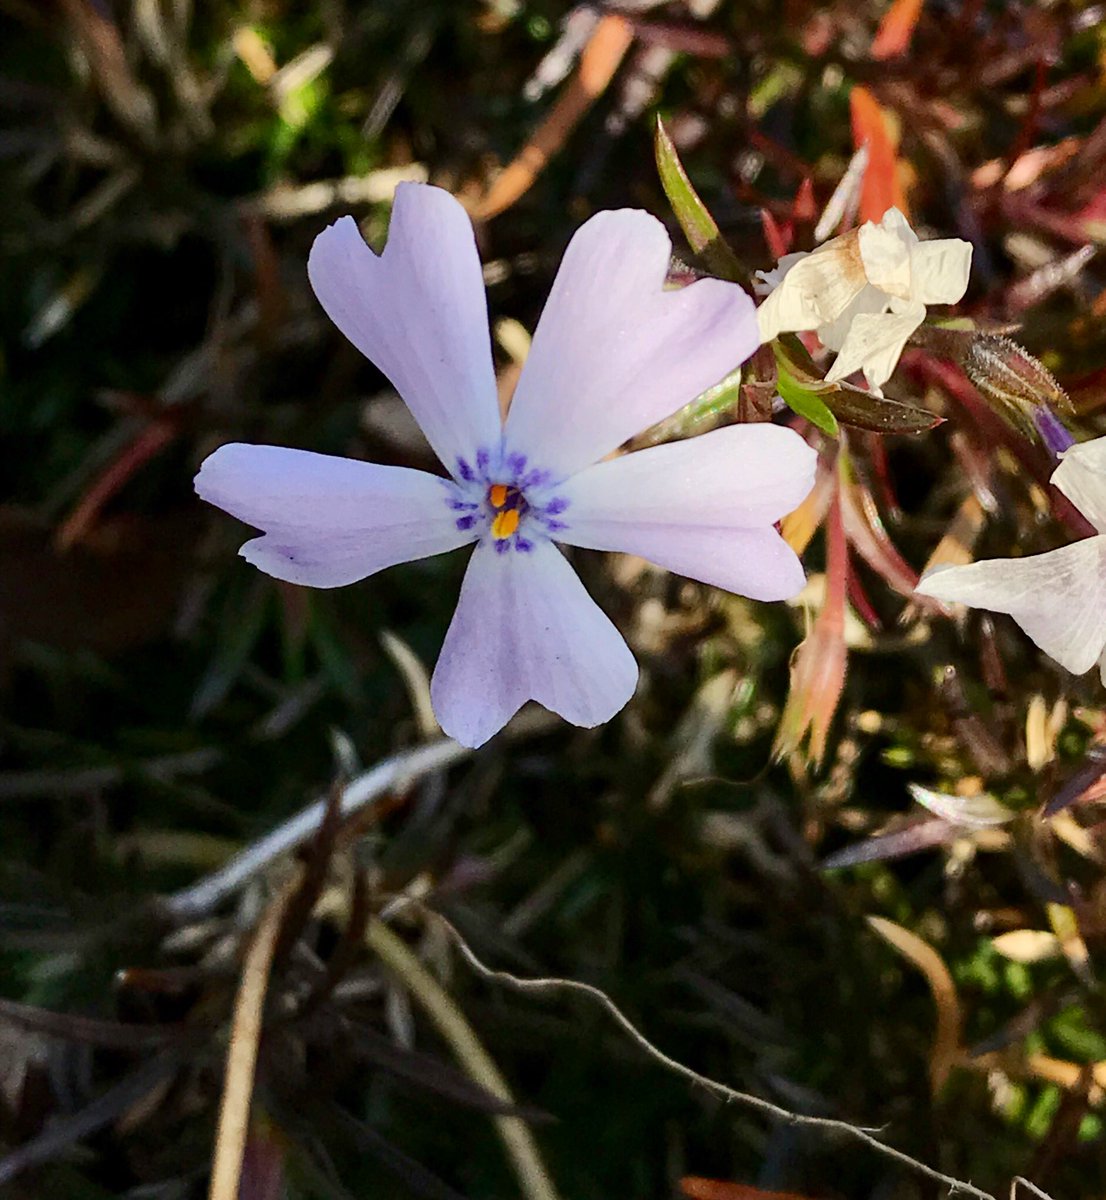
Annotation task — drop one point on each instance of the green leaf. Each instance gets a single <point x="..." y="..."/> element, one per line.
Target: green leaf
<point x="800" y="397"/>
<point x="809" y="394"/>
<point x="698" y="225"/>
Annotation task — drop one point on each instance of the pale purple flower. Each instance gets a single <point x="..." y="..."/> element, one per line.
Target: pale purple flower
<point x="614" y="353"/>
<point x="1058" y="598"/>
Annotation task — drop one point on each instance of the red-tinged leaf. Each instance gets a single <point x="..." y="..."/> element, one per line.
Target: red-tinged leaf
<point x="896" y="29"/>
<point x="858" y="598"/>
<point x="865" y="531"/>
<point x="804" y="207"/>
<point x="777" y="237"/>
<point x="881" y="469"/>
<point x="144" y="446"/>
<point x="882" y="188"/>
<point x="697" y="1188"/>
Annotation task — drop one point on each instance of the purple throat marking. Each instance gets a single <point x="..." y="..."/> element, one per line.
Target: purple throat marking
<point x="501" y="497"/>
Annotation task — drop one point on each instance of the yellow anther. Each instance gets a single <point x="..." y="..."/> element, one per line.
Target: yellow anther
<point x="497" y="495"/>
<point x="505" y="523"/>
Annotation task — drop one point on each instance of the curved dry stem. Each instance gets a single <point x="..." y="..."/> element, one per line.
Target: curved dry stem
<point x="451" y="1024"/>
<point x="555" y="987"/>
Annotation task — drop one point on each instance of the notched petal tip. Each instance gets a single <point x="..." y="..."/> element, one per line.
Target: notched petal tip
<point x="332" y="248"/>
<point x="615" y="351"/>
<point x="525" y="629"/>
<point x="418" y="311"/>
<point x="328" y="521"/>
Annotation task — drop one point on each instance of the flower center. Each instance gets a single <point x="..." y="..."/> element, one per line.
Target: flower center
<point x="508" y="506"/>
<point x="505" y="496"/>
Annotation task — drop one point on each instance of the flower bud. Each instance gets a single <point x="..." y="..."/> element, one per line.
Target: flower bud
<point x="1019" y="387"/>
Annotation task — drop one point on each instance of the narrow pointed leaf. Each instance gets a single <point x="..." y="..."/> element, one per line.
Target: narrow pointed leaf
<point x="850" y="405"/>
<point x="896" y="29"/>
<point x="978" y="812"/>
<point x="882" y="189"/>
<point x="883" y="847"/>
<point x="698" y="225"/>
<point x="876" y="414"/>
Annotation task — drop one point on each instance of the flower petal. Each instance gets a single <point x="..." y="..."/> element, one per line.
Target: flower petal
<point x="328" y="521"/>
<point x="834" y="334"/>
<point x="1081" y="476"/>
<point x="815" y="291"/>
<point x="1058" y="598"/>
<point x="419" y="312"/>
<point x="767" y="281"/>
<point x="525" y="629"/>
<point x="613" y="352"/>
<point x="939" y="270"/>
<point x="702" y="508"/>
<point x="874" y="343"/>
<point x="885" y="250"/>
<point x="756" y="563"/>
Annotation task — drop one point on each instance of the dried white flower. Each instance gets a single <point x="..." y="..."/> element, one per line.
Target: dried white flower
<point x="864" y="293"/>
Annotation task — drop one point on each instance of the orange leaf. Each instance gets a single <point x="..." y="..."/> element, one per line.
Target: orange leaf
<point x="777" y="237"/>
<point x="882" y="189"/>
<point x="696" y="1188"/>
<point x="896" y="29"/>
<point x="819" y="664"/>
<point x="598" y="62"/>
<point x="803" y="207"/>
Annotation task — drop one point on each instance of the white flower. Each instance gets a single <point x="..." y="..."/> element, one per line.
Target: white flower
<point x="613" y="353"/>
<point x="864" y="293"/>
<point x="1058" y="598"/>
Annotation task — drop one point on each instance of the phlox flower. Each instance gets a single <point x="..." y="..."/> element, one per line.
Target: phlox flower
<point x="1058" y="598"/>
<point x="864" y="293"/>
<point x="613" y="353"/>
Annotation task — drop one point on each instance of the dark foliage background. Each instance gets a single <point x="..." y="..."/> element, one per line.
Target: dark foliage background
<point x="164" y="167"/>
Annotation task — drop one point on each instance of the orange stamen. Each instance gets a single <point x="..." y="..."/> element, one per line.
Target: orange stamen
<point x="505" y="523"/>
<point x="497" y="495"/>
